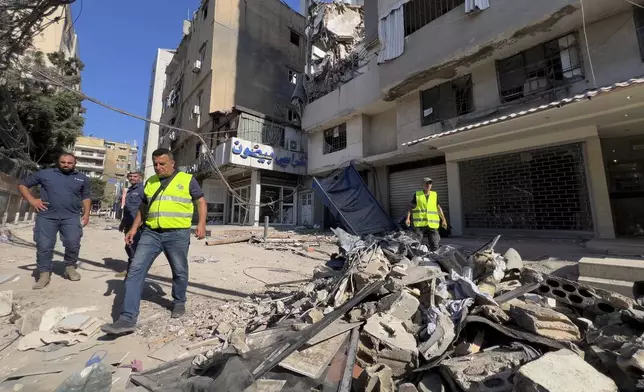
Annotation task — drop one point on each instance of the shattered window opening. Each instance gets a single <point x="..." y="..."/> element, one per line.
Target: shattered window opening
<point x="295" y="38"/>
<point x="418" y="13"/>
<point x="447" y="100"/>
<point x="335" y="139"/>
<point x="290" y="115"/>
<point x="292" y="76"/>
<point x="638" y="15"/>
<point x="202" y="53"/>
<point x="204" y="10"/>
<point x="540" y="69"/>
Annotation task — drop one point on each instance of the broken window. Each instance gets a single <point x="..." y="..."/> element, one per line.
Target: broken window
<point x="418" y="13"/>
<point x="335" y="139"/>
<point x="447" y="100"/>
<point x="543" y="68"/>
<point x="638" y="15"/>
<point x="292" y="76"/>
<point x="202" y="53"/>
<point x="295" y="38"/>
<point x="290" y="115"/>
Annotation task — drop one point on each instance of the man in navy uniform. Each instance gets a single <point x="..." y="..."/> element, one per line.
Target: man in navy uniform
<point x="63" y="191"/>
<point x="133" y="200"/>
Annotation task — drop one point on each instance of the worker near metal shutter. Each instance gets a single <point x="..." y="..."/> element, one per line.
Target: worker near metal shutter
<point x="169" y="197"/>
<point x="427" y="214"/>
<point x="133" y="199"/>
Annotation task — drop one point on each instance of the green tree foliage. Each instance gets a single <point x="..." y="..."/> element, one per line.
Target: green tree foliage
<point x="98" y="188"/>
<point x="52" y="116"/>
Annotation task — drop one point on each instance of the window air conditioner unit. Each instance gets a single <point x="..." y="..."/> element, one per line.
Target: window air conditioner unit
<point x="196" y="110"/>
<point x="196" y="68"/>
<point x="293" y="145"/>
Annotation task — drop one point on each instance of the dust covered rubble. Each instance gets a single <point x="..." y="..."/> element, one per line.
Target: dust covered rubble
<point x="436" y="321"/>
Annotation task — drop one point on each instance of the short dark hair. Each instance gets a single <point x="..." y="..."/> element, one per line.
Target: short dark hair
<point x="162" y="151"/>
<point x="66" y="154"/>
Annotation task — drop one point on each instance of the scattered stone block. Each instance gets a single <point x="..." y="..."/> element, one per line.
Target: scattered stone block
<point x="6" y="303"/>
<point x="562" y="371"/>
<point x="376" y="378"/>
<point x="384" y="340"/>
<point x="223" y="328"/>
<point x="545" y="322"/>
<point x="513" y="260"/>
<point x="488" y="369"/>
<point x="238" y="341"/>
<point x="314" y="316"/>
<point x="407" y="387"/>
<point x="401" y="305"/>
<point x="431" y="382"/>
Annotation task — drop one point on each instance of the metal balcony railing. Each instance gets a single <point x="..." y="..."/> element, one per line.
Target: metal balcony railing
<point x="418" y="13"/>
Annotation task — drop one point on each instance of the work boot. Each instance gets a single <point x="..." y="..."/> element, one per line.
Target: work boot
<point x="71" y="273"/>
<point x="43" y="280"/>
<point x="178" y="310"/>
<point x="120" y="327"/>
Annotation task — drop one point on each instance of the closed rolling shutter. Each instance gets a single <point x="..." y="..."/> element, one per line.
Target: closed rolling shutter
<point x="403" y="184"/>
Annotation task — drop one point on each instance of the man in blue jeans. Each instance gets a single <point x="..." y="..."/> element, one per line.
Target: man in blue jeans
<point x="63" y="191"/>
<point x="133" y="200"/>
<point x="168" y="207"/>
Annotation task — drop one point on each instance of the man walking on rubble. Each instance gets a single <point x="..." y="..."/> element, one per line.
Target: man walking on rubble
<point x="168" y="206"/>
<point x="427" y="215"/>
<point x="63" y="191"/>
<point x="133" y="199"/>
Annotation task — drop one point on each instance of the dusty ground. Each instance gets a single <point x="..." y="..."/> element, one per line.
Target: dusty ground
<point x="236" y="272"/>
<point x="230" y="273"/>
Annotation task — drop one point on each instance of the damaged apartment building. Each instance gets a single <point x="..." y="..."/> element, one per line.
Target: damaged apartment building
<point x="231" y="80"/>
<point x="527" y="115"/>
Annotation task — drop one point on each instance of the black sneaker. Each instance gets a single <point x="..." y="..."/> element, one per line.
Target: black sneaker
<point x="178" y="310"/>
<point x="120" y="327"/>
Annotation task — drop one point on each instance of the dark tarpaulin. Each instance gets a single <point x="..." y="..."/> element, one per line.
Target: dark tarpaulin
<point x="351" y="202"/>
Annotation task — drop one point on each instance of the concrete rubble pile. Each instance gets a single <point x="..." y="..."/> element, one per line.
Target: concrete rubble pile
<point x="336" y="30"/>
<point x="392" y="316"/>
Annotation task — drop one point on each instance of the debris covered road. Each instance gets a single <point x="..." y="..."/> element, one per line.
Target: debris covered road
<point x="368" y="314"/>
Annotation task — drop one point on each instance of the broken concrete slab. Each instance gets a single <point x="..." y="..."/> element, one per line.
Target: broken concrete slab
<point x="390" y="331"/>
<point x="335" y="329"/>
<point x="314" y="360"/>
<point x="313" y="316"/>
<point x="488" y="369"/>
<point x="513" y="259"/>
<point x="73" y="322"/>
<point x="376" y="378"/>
<point x="120" y="379"/>
<point x="407" y="387"/>
<point x="266" y="386"/>
<point x="402" y="305"/>
<point x="6" y="302"/>
<point x="51" y="317"/>
<point x="223" y="328"/>
<point x="29" y="323"/>
<point x="560" y="371"/>
<point x="170" y="351"/>
<point x="441" y="338"/>
<point x="238" y="341"/>
<point x="544" y="321"/>
<point x="384" y="340"/>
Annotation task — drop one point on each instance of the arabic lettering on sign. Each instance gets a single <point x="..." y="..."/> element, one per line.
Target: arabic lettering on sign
<point x="268" y="158"/>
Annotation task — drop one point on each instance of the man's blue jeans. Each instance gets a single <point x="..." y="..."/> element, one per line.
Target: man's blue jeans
<point x="131" y="249"/>
<point x="174" y="244"/>
<point x="45" y="232"/>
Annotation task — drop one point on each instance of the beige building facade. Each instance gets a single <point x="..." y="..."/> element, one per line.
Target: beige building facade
<point x="59" y="34"/>
<point x="526" y="115"/>
<point x="230" y="81"/>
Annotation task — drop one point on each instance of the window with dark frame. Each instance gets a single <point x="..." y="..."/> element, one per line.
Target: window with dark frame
<point x="335" y="139"/>
<point x="290" y="115"/>
<point x="204" y="10"/>
<point x="202" y="53"/>
<point x="540" y="69"/>
<point x="447" y="100"/>
<point x="295" y="38"/>
<point x="292" y="76"/>
<point x="638" y="16"/>
<point x="418" y="13"/>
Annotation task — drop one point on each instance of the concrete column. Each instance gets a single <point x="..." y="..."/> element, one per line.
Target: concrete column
<point x="598" y="188"/>
<point x="255" y="191"/>
<point x="455" y="202"/>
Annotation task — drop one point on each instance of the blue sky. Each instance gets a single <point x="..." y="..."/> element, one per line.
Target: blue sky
<point x="118" y="41"/>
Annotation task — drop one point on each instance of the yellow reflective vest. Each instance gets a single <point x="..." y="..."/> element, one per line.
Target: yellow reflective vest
<point x="173" y="207"/>
<point x="426" y="212"/>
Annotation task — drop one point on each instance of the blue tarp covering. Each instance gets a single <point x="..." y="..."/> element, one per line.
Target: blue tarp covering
<point x="351" y="202"/>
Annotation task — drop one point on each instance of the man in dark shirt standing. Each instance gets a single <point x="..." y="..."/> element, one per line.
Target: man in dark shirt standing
<point x="166" y="215"/>
<point x="133" y="200"/>
<point x="427" y="214"/>
<point x="63" y="191"/>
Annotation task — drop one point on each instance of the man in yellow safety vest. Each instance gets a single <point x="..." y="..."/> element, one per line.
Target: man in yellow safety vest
<point x="166" y="210"/>
<point x="426" y="214"/>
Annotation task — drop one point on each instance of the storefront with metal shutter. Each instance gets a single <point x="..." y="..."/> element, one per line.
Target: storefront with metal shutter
<point x="405" y="179"/>
<point x="544" y="189"/>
